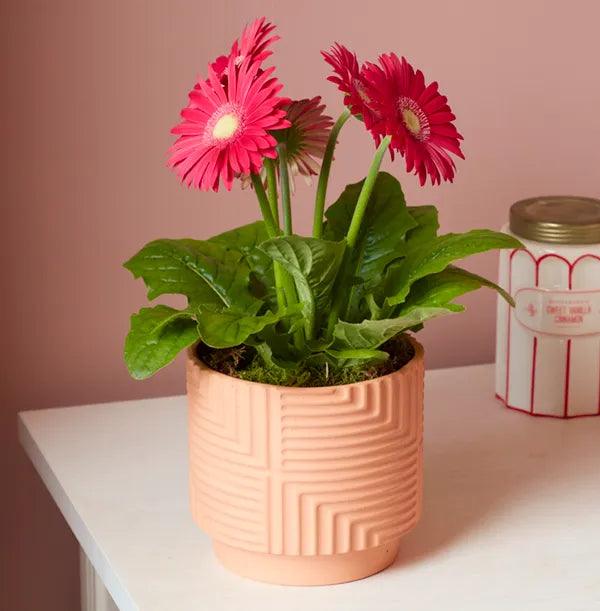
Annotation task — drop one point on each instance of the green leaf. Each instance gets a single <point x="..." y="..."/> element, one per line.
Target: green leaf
<point x="385" y="224"/>
<point x="360" y="356"/>
<point x="434" y="256"/>
<point x="206" y="272"/>
<point x="274" y="357"/>
<point x="370" y="334"/>
<point x="231" y="327"/>
<point x="277" y="348"/>
<point x="374" y="310"/>
<point x="314" y="264"/>
<point x="156" y="337"/>
<point x="438" y="290"/>
<point x="246" y="240"/>
<point x="426" y="219"/>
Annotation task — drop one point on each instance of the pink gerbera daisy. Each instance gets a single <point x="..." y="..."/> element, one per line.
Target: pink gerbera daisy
<point x="306" y="137"/>
<point x="254" y="42"/>
<point x="415" y="115"/>
<point x="349" y="77"/>
<point x="253" y="45"/>
<point x="224" y="132"/>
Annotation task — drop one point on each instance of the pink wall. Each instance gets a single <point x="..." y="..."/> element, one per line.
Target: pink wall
<point x="89" y="91"/>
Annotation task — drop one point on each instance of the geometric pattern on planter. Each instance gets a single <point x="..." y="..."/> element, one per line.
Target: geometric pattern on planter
<point x="303" y="472"/>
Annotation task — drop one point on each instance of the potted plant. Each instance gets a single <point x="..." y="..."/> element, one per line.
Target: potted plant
<point x="305" y="384"/>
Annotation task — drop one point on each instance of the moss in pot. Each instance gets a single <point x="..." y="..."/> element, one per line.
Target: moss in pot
<point x="304" y="380"/>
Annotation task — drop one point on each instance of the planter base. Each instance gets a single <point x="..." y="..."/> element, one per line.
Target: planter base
<point x="306" y="570"/>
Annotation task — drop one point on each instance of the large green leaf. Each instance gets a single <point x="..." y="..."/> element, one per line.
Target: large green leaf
<point x="370" y="334"/>
<point x="431" y="257"/>
<point x="156" y="337"/>
<point x="384" y="226"/>
<point x="314" y="264"/>
<point x="427" y="224"/>
<point x="438" y="290"/>
<point x="231" y="327"/>
<point x="246" y="239"/>
<point x="206" y="272"/>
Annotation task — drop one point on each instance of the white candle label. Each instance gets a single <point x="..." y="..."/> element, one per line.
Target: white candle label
<point x="565" y="313"/>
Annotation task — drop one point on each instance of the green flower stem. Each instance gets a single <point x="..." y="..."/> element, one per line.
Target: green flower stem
<point x="286" y="208"/>
<point x="278" y="270"/>
<point x="265" y="206"/>
<point x="279" y="274"/>
<point x="324" y="174"/>
<point x="272" y="189"/>
<point x="284" y="184"/>
<point x="289" y="289"/>
<point x="346" y="275"/>
<point x="272" y="230"/>
<point x="285" y="289"/>
<point x="365" y="194"/>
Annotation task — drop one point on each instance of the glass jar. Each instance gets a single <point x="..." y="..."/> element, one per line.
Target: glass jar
<point x="548" y="345"/>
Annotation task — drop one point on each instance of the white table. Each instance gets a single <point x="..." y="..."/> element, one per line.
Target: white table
<point x="511" y="522"/>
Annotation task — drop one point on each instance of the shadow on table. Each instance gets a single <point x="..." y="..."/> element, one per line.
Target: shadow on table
<point x="477" y="469"/>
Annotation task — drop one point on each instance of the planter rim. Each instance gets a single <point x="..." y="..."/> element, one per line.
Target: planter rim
<point x="404" y="370"/>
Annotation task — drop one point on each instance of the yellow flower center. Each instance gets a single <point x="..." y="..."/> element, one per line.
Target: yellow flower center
<point x="411" y="121"/>
<point x="225" y="127"/>
<point x="414" y="119"/>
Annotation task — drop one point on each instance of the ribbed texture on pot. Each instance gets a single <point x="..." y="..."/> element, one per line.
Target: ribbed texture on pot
<point x="305" y="471"/>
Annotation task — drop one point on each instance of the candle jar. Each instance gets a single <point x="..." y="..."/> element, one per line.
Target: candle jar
<point x="548" y="345"/>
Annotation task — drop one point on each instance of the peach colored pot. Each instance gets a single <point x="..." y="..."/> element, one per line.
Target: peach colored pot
<point x="306" y="486"/>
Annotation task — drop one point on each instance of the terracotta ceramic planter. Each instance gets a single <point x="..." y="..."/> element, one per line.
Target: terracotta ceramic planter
<point x="306" y="486"/>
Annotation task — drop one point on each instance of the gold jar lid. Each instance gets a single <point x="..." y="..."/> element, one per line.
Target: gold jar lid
<point x="558" y="219"/>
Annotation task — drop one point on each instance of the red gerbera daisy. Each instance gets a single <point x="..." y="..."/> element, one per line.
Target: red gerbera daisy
<point x="415" y="115"/>
<point x="349" y="77"/>
<point x="225" y="129"/>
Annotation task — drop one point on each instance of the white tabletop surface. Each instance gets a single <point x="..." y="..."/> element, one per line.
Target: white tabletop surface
<point x="511" y="520"/>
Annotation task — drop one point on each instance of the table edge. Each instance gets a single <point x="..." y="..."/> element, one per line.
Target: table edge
<point x="85" y="538"/>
